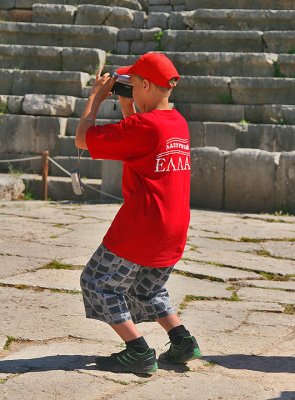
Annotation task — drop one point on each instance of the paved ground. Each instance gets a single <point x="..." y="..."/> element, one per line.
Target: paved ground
<point x="234" y="288"/>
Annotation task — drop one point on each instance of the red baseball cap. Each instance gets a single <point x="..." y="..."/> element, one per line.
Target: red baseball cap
<point x="155" y="67"/>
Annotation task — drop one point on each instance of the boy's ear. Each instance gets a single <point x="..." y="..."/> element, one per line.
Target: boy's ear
<point x="146" y="84"/>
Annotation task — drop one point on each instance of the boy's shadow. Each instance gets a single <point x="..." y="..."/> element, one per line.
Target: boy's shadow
<point x="271" y="364"/>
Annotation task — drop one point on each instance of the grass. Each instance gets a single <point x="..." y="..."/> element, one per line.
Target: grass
<point x="158" y="38"/>
<point x="277" y="73"/>
<point x="289" y="309"/>
<point x="55" y="264"/>
<point x="244" y="122"/>
<point x="226" y="98"/>
<point x="273" y="277"/>
<point x="9" y="341"/>
<point x="3" y="108"/>
<point x="3" y="380"/>
<point x="291" y="51"/>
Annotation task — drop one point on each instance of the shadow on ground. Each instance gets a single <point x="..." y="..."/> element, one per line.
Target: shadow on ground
<point x="62" y="362"/>
<point x="255" y="363"/>
<point x="285" y="396"/>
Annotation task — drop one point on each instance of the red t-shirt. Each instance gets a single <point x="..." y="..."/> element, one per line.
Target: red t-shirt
<point x="150" y="228"/>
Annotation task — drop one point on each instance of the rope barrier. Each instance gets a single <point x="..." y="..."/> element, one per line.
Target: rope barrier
<point x="21" y="159"/>
<point x="65" y="171"/>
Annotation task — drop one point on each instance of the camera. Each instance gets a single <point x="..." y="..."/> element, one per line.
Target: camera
<point x="122" y="86"/>
<point x="76" y="182"/>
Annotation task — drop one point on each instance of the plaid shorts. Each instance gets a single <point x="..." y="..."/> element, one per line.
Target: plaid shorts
<point x="116" y="290"/>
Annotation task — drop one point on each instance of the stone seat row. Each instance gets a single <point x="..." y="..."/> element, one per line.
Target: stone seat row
<point x="138" y="41"/>
<point x="241" y="4"/>
<point x="29" y="57"/>
<point x="72" y="107"/>
<point x="191" y="89"/>
<point x="200" y="19"/>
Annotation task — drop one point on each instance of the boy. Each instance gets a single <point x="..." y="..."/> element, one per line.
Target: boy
<point x="123" y="282"/>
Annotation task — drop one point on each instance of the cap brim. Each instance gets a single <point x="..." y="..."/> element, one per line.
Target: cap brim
<point x="124" y="70"/>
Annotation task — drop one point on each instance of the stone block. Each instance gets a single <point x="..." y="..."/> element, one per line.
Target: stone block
<point x="48" y="131"/>
<point x="111" y="180"/>
<point x="263" y="90"/>
<point x="11" y="187"/>
<point x="286" y="65"/>
<point x="212" y="112"/>
<point x="283" y="138"/>
<point x="158" y="2"/>
<point x="139" y="19"/>
<point x="106" y="109"/>
<point x="150" y="34"/>
<point x="207" y="177"/>
<point x="86" y="60"/>
<point x="7" y="4"/>
<point x="30" y="57"/>
<point x="131" y="4"/>
<point x="101" y="37"/>
<point x="53" y="13"/>
<point x="3" y="104"/>
<point x="177" y="2"/>
<point x="221" y="135"/>
<point x="21" y="15"/>
<point x="279" y="42"/>
<point x="123" y="47"/>
<point x="120" y="17"/>
<point x="197" y="133"/>
<point x="255" y="137"/>
<point x="140" y="47"/>
<point x="129" y="34"/>
<point x="91" y="14"/>
<point x="157" y="8"/>
<point x="48" y="82"/>
<point x="159" y="20"/>
<point x="270" y="114"/>
<point x="38" y="104"/>
<point x="250" y="180"/>
<point x="179" y="8"/>
<point x="285" y="183"/>
<point x="21" y="131"/>
<point x="15" y="104"/>
<point x="200" y="89"/>
<point x="6" y="81"/>
<point x="176" y="21"/>
<point x="236" y="41"/>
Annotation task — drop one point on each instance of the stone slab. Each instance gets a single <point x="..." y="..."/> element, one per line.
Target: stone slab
<point x="290" y="286"/>
<point x="279" y="42"/>
<point x="212" y="271"/>
<point x="241" y="4"/>
<point x="53" y="13"/>
<point x="12" y="265"/>
<point x="274" y="296"/>
<point x="285" y="194"/>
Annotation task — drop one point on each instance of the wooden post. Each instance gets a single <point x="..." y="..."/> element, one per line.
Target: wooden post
<point x="45" y="155"/>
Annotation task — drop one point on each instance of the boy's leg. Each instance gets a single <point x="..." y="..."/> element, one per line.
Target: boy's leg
<point x="104" y="282"/>
<point x="148" y="300"/>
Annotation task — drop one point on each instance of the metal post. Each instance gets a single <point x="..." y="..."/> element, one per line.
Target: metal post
<point x="45" y="155"/>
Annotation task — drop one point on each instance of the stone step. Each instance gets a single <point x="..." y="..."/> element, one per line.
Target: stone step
<point x="16" y="15"/>
<point x="257" y="114"/>
<point x="60" y="188"/>
<point x="89" y="168"/>
<point x="280" y="42"/>
<point x="231" y="136"/>
<point x="28" y="4"/>
<point x="235" y="90"/>
<point x="56" y="105"/>
<point x="88" y="14"/>
<point x="51" y="58"/>
<point x="243" y="4"/>
<point x="98" y="37"/>
<point x="229" y="19"/>
<point x="21" y="82"/>
<point x="221" y="64"/>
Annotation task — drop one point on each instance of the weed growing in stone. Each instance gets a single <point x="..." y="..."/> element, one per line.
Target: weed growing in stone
<point x="226" y="99"/>
<point x="55" y="264"/>
<point x="158" y="38"/>
<point x="289" y="309"/>
<point x="277" y="73"/>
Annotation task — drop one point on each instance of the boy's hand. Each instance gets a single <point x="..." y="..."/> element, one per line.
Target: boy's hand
<point x="127" y="106"/>
<point x="102" y="86"/>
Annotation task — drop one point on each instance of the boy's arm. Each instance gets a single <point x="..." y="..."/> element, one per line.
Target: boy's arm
<point x="100" y="91"/>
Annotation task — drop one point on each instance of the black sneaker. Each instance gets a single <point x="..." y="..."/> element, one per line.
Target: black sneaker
<point x="187" y="350"/>
<point x="129" y="360"/>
